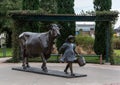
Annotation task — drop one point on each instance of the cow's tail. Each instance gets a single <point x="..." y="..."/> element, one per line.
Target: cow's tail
<point x="21" y="35"/>
<point x="22" y="45"/>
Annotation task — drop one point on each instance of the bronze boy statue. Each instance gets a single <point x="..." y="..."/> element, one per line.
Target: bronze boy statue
<point x="69" y="54"/>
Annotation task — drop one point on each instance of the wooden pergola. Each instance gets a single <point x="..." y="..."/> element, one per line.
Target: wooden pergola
<point x="65" y="17"/>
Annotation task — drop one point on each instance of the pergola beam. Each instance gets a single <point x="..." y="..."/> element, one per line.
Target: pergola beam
<point x="59" y="17"/>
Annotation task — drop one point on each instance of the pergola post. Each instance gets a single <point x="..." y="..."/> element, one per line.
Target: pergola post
<point x="107" y="42"/>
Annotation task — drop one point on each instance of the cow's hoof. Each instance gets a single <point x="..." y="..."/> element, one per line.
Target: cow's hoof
<point x="24" y="67"/>
<point x="44" y="69"/>
<point x="28" y="66"/>
<point x="72" y="74"/>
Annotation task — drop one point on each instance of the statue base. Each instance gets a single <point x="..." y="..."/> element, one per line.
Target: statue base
<point x="50" y="72"/>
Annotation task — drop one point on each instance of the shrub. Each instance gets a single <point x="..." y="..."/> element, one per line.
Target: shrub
<point x="85" y="41"/>
<point x="85" y="44"/>
<point x="116" y="43"/>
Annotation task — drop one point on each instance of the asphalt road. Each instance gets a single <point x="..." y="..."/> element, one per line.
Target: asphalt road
<point x="96" y="75"/>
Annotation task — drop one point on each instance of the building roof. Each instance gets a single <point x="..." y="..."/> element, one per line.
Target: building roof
<point x="85" y="23"/>
<point x="117" y="29"/>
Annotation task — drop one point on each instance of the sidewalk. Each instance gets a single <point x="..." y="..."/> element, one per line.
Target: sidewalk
<point x="2" y="60"/>
<point x="96" y="75"/>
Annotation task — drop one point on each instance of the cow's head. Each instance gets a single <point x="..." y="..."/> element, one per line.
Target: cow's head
<point x="55" y="30"/>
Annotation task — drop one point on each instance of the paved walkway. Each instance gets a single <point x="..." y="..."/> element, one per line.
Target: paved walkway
<point x="96" y="75"/>
<point x="2" y="60"/>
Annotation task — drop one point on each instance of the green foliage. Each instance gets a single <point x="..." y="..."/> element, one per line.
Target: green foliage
<point x="65" y="6"/>
<point x="117" y="57"/>
<point x="85" y="41"/>
<point x="50" y="7"/>
<point x="103" y="30"/>
<point x="111" y="44"/>
<point x="107" y="13"/>
<point x="27" y="12"/>
<point x="24" y="26"/>
<point x="8" y="52"/>
<point x="68" y="28"/>
<point x="17" y="29"/>
<point x="30" y="4"/>
<point x="101" y="5"/>
<point x="5" y="6"/>
<point x="100" y="38"/>
<point x="10" y="5"/>
<point x="112" y="15"/>
<point x="6" y="23"/>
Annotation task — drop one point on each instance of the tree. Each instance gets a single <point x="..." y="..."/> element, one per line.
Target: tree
<point x="23" y="26"/>
<point x="103" y="31"/>
<point x="68" y="28"/>
<point x="101" y="5"/>
<point x="5" y="21"/>
<point x="31" y="5"/>
<point x="49" y="7"/>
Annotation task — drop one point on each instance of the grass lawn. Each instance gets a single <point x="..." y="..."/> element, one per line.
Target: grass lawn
<point x="92" y="59"/>
<point x="88" y="58"/>
<point x="117" y="57"/>
<point x="8" y="52"/>
<point x="117" y="52"/>
<point x="38" y="59"/>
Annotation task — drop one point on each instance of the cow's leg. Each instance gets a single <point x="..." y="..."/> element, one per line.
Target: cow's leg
<point x="22" y="49"/>
<point x="44" y="68"/>
<point x="27" y="63"/>
<point x="24" y="59"/>
<point x="23" y="63"/>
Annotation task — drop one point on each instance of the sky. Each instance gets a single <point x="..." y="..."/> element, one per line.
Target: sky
<point x="87" y="5"/>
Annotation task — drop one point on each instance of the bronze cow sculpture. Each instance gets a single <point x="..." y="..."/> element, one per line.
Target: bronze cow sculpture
<point x="38" y="44"/>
